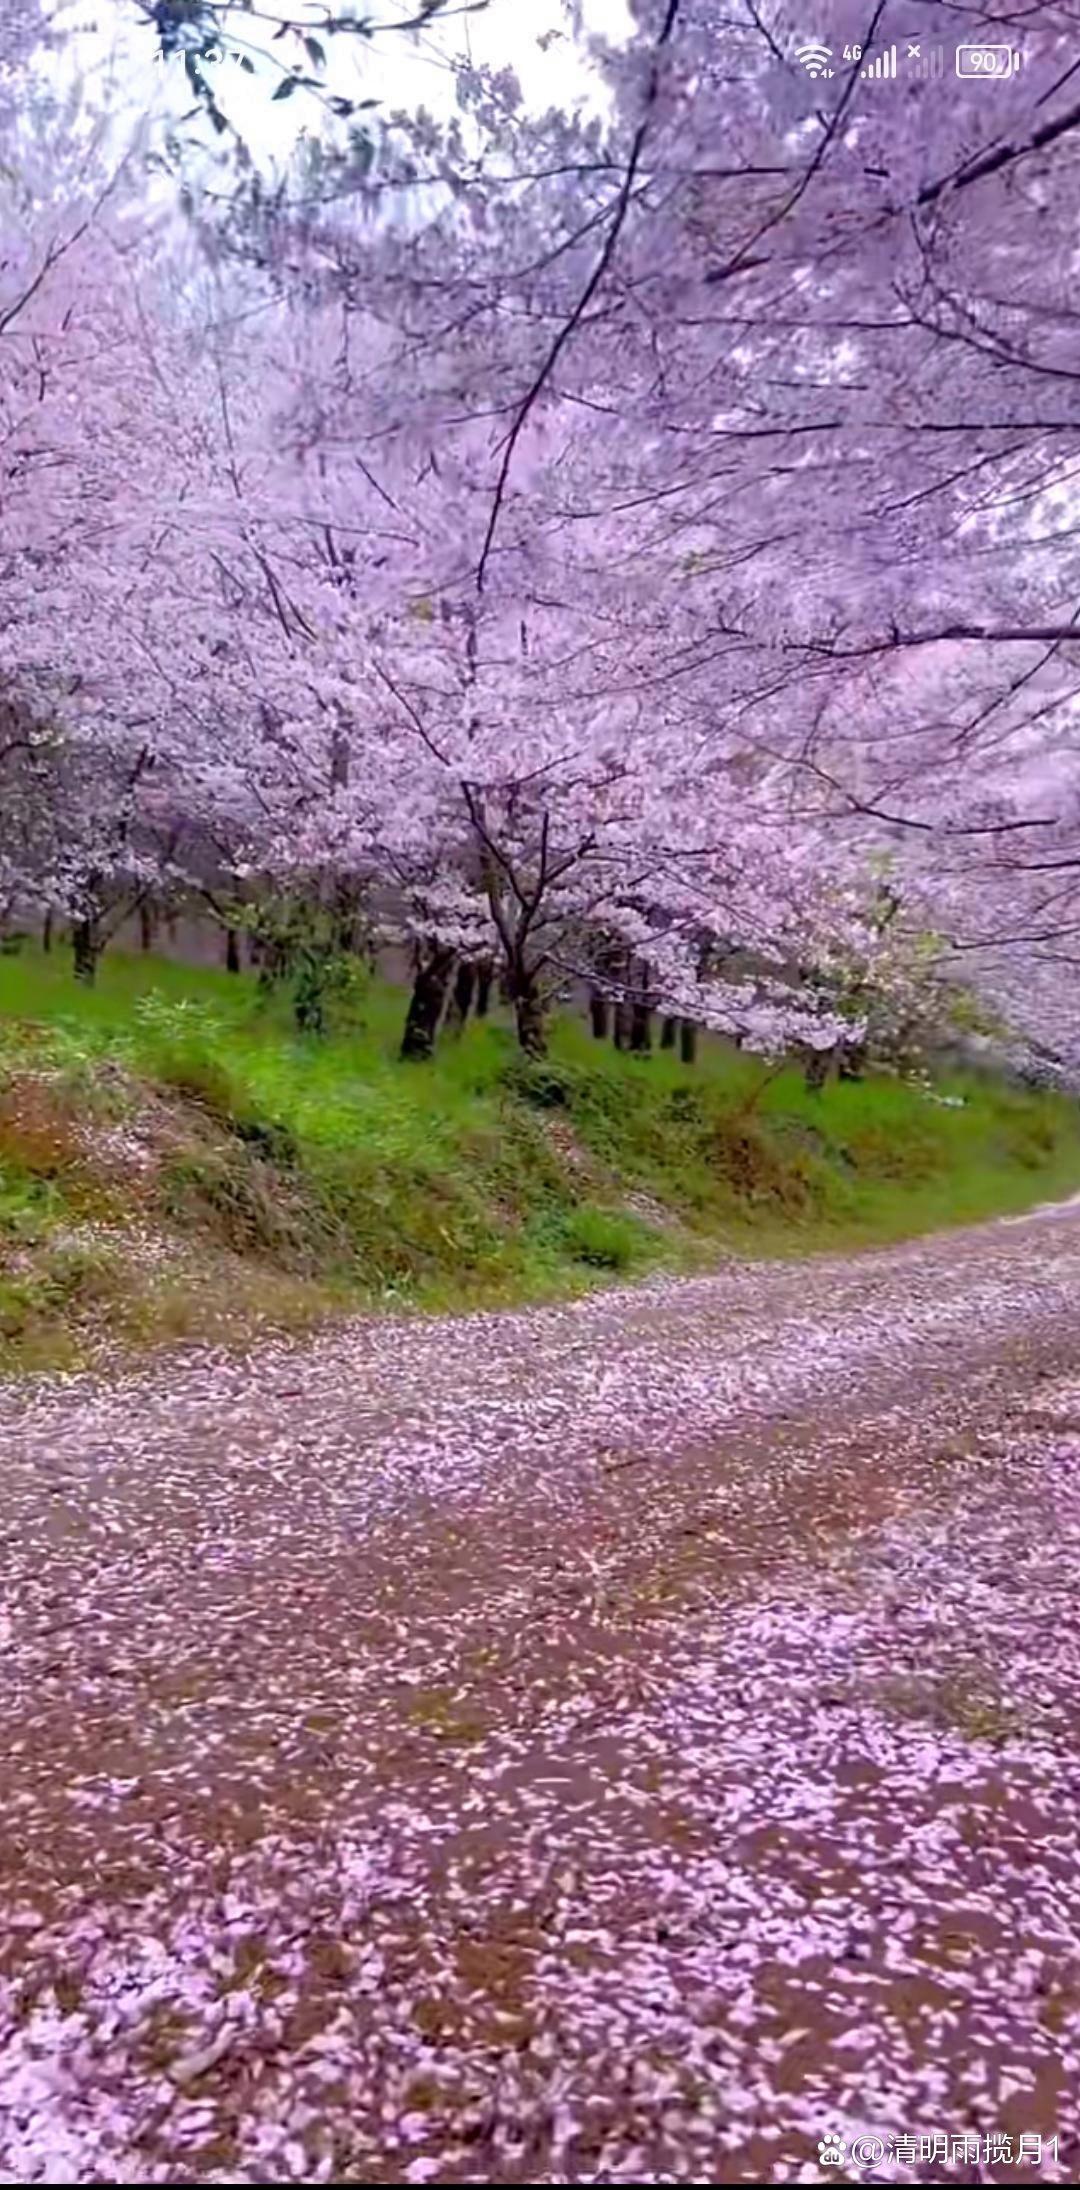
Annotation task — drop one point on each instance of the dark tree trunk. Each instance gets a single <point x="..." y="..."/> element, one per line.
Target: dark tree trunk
<point x="461" y="996"/>
<point x="432" y="979"/>
<point x="47" y="931"/>
<point x="86" y="950"/>
<point x="688" y="1041"/>
<point x="623" y="1016"/>
<point x="146" y="926"/>
<point x="641" y="1030"/>
<point x="669" y="1034"/>
<point x="485" y="975"/>
<point x="346" y="925"/>
<point x="232" y="951"/>
<point x="851" y="1060"/>
<point x="816" y="1069"/>
<point x="599" y="1015"/>
<point x="529" y="1018"/>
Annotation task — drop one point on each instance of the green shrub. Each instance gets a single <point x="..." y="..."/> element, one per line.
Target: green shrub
<point x="329" y="993"/>
<point x="545" y="1083"/>
<point x="244" y="1202"/>
<point x="200" y="1079"/>
<point x="687" y="1106"/>
<point x="910" y="1155"/>
<point x="602" y="1239"/>
<point x="274" y="1141"/>
<point x="77" y="1274"/>
<point x="18" y="1307"/>
<point x="71" y="1278"/>
<point x="176" y="1022"/>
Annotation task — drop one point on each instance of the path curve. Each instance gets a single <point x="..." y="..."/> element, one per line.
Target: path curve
<point x="636" y="1738"/>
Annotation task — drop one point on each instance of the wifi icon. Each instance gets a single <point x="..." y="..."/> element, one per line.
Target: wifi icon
<point x="814" y="59"/>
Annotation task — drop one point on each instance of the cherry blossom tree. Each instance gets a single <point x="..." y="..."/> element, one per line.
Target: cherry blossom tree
<point x="471" y="575"/>
<point x="513" y="784"/>
<point x="849" y="329"/>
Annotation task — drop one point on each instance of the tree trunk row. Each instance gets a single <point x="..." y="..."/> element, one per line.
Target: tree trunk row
<point x="630" y="1026"/>
<point x="444" y="992"/>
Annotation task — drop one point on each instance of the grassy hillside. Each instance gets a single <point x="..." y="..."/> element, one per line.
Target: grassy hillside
<point x="174" y="1163"/>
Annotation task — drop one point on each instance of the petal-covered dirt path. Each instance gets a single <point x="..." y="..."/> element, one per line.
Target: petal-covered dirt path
<point x="637" y="1740"/>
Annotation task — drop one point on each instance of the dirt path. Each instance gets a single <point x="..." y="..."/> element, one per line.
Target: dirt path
<point x="637" y="1740"/>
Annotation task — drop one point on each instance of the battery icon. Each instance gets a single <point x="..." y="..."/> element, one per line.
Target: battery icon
<point x="997" y="61"/>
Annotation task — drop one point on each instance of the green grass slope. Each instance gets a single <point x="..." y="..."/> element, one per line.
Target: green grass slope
<point x="175" y="1163"/>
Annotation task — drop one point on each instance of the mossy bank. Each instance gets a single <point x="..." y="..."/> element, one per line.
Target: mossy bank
<point x="176" y="1165"/>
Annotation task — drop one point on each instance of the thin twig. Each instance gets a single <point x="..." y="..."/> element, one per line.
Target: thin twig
<point x="596" y="277"/>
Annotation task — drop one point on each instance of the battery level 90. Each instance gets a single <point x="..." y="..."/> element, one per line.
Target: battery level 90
<point x="994" y="61"/>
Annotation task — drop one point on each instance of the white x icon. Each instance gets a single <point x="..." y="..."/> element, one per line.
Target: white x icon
<point x="914" y="53"/>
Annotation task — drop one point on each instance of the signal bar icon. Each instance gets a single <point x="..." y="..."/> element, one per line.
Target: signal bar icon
<point x="925" y="65"/>
<point x="885" y="65"/>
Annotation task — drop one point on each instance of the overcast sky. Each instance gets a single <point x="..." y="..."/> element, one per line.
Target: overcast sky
<point x="107" y="42"/>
